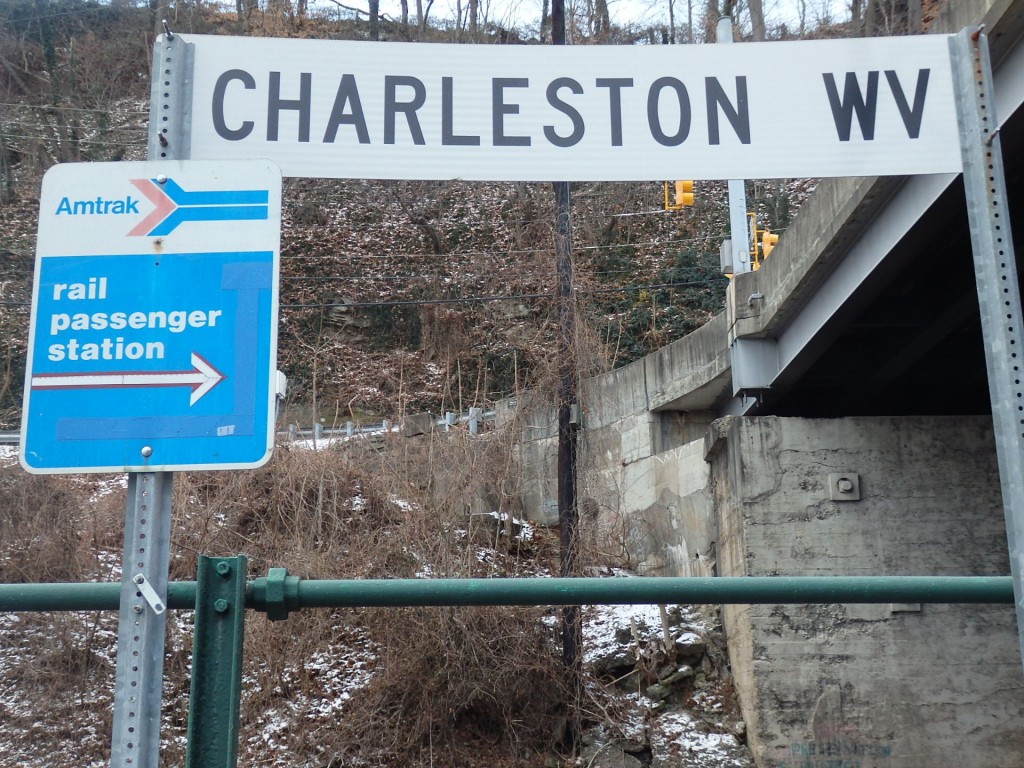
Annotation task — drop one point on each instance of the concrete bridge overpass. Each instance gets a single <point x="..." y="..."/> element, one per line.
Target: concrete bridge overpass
<point x="868" y="304"/>
<point x="834" y="420"/>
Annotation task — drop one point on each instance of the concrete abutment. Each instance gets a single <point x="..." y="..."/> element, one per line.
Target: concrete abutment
<point x="893" y="686"/>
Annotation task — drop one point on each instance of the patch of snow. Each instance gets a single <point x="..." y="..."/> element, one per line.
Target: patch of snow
<point x="676" y="734"/>
<point x="8" y="455"/>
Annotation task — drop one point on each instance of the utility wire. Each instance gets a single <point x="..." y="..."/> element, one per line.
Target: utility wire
<point x="483" y="299"/>
<point x="39" y="137"/>
<point x="28" y="17"/>
<point x="59" y="108"/>
<point x="509" y="252"/>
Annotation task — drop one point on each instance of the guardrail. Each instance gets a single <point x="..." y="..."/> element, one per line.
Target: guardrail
<point x="475" y="418"/>
<point x="222" y="593"/>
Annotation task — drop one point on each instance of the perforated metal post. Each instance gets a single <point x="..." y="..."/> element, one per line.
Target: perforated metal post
<point x="996" y="275"/>
<point x="737" y="193"/>
<point x="135" y="742"/>
<point x="140" y="634"/>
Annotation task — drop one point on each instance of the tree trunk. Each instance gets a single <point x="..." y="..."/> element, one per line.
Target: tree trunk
<point x="374" y="6"/>
<point x="711" y="17"/>
<point x="602" y="19"/>
<point x="869" y="18"/>
<point x="757" y="20"/>
<point x="474" y="22"/>
<point x="855" y="17"/>
<point x="914" y="24"/>
<point x="6" y="174"/>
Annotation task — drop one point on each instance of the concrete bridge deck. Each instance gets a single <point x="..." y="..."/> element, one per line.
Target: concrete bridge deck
<point x="869" y="294"/>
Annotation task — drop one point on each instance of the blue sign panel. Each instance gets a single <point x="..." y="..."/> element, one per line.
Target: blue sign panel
<point x="157" y="359"/>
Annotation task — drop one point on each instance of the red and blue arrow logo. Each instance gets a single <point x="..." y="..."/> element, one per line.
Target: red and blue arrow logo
<point x="175" y="206"/>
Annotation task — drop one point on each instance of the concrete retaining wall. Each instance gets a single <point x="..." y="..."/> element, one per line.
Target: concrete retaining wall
<point x="894" y="686"/>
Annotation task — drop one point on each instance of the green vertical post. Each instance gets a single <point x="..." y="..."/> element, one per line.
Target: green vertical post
<point x="215" y="698"/>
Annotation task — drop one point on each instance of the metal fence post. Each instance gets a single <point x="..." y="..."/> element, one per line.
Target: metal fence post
<point x="215" y="698"/>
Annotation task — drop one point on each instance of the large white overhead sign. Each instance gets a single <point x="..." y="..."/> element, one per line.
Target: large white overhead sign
<point x="539" y="113"/>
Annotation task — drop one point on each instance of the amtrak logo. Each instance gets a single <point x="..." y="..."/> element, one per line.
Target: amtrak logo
<point x="174" y="206"/>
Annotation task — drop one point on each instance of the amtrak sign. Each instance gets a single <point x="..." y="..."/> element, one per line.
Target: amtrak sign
<point x="324" y="108"/>
<point x="153" y="336"/>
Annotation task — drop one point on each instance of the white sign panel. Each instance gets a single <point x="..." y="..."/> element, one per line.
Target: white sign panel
<point x="880" y="106"/>
<point x="152" y="345"/>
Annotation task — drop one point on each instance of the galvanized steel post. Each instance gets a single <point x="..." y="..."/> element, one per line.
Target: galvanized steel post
<point x="995" y="269"/>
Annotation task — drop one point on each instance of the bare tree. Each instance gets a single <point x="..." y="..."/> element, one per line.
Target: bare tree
<point x="757" y="20"/>
<point x="374" y="6"/>
<point x="914" y="21"/>
<point x="870" y="10"/>
<point x="857" y="18"/>
<point x="422" y="12"/>
<point x="601" y="19"/>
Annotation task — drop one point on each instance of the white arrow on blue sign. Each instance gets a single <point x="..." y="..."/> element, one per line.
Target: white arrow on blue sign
<point x="153" y="338"/>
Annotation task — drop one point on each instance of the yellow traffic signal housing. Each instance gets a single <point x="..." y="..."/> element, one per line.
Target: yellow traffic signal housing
<point x="683" y="195"/>
<point x="762" y="241"/>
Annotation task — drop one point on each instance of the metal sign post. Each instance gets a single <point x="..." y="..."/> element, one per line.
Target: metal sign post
<point x="996" y="275"/>
<point x="142" y="621"/>
<point x="738" y="241"/>
<point x="135" y="740"/>
<point x="152" y="349"/>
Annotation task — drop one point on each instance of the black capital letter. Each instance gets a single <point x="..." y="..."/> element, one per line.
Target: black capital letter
<point x="911" y="115"/>
<point x="578" y="126"/>
<point x="654" y="120"/>
<point x="739" y="116"/>
<point x="499" y="109"/>
<point x="392" y="106"/>
<point x="853" y="100"/>
<point x="302" y="105"/>
<point x="448" y="136"/>
<point x="615" y="86"/>
<point x="219" y="124"/>
<point x="347" y="93"/>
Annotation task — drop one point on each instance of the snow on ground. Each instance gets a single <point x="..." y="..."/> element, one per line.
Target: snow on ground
<point x="676" y="736"/>
<point x="8" y="455"/>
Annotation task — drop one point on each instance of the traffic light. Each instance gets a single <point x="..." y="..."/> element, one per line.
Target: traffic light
<point x="768" y="241"/>
<point x="683" y="195"/>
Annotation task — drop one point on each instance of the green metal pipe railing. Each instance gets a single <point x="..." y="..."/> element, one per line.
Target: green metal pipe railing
<point x="278" y="593"/>
<point x="223" y="592"/>
<point x="83" y="596"/>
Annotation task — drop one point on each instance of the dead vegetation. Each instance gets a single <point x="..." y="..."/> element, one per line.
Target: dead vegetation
<point x="402" y="687"/>
<point x="442" y="687"/>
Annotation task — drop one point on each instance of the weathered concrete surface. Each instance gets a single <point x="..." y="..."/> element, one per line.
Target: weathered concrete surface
<point x="821" y="686"/>
<point x="902" y="686"/>
<point x="694" y="372"/>
<point x="649" y="507"/>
